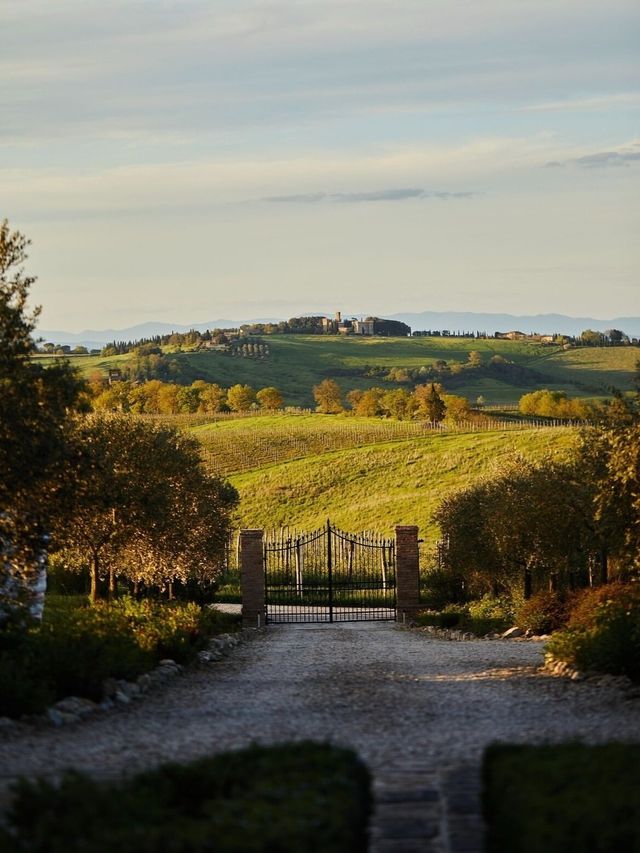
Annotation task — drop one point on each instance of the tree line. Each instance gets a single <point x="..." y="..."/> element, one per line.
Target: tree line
<point x="108" y="493"/>
<point x="155" y="397"/>
<point x="556" y="523"/>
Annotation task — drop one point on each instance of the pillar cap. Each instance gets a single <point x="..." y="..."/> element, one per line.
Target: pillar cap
<point x="407" y="527"/>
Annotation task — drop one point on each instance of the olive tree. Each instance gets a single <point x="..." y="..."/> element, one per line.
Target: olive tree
<point x="34" y="406"/>
<point x="141" y="504"/>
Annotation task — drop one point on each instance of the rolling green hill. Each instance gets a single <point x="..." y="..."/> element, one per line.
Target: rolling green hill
<point x="297" y="362"/>
<point x="380" y="485"/>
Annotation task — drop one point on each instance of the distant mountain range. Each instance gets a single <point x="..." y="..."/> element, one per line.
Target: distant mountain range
<point x="454" y="321"/>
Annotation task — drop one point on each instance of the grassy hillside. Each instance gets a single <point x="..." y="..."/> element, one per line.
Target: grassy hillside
<point x="236" y="446"/>
<point x="297" y="362"/>
<point x="381" y="485"/>
<point x="591" y="370"/>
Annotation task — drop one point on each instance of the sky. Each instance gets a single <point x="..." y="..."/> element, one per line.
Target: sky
<point x="187" y="160"/>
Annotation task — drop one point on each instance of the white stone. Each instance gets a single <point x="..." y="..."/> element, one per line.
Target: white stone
<point x="512" y="633"/>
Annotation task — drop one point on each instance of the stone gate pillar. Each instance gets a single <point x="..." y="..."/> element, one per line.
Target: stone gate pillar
<point x="252" y="578"/>
<point x="407" y="573"/>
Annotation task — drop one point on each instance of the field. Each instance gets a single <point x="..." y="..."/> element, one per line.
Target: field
<point x="380" y="484"/>
<point x="237" y="445"/>
<point x="297" y="362"/>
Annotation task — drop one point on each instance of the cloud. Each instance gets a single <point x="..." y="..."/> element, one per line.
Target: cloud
<point x="623" y="156"/>
<point x="399" y="194"/>
<point x="608" y="158"/>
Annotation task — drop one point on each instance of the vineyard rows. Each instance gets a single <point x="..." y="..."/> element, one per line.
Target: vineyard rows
<point x="245" y="450"/>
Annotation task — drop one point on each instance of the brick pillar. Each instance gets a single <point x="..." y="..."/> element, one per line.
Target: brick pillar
<point x="407" y="573"/>
<point x="252" y="578"/>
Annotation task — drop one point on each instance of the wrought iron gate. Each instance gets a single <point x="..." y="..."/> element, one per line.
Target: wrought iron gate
<point x="329" y="576"/>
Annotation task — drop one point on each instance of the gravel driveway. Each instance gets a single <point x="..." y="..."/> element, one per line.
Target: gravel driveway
<point x="418" y="710"/>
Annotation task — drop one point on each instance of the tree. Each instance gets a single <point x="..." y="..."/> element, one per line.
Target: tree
<point x="430" y="403"/>
<point x="399" y="404"/>
<point x="458" y="408"/>
<point x="609" y="456"/>
<point x="328" y="396"/>
<point x="241" y="397"/>
<point x="270" y="398"/>
<point x="532" y="524"/>
<point x="213" y="398"/>
<point x="616" y="336"/>
<point x="34" y="406"/>
<point x="591" y="338"/>
<point x="140" y="502"/>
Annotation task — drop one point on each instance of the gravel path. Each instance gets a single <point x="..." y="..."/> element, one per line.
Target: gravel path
<point x="418" y="710"/>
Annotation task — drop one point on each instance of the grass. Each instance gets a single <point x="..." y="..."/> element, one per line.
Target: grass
<point x="562" y="799"/>
<point x="238" y="445"/>
<point x="591" y="370"/>
<point x="381" y="485"/>
<point x="297" y="362"/>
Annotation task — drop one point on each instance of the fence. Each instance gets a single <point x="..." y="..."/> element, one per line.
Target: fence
<point x="233" y="453"/>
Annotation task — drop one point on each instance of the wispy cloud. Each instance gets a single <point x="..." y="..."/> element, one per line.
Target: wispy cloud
<point x="624" y="156"/>
<point x="394" y="194"/>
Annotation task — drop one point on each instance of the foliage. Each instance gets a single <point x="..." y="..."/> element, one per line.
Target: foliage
<point x="603" y="633"/>
<point x="555" y="404"/>
<point x="483" y="616"/>
<point x="270" y="398"/>
<point x="530" y="519"/>
<point x="141" y="500"/>
<point x="34" y="405"/>
<point x="77" y="647"/>
<point x="297" y="362"/>
<point x="430" y="404"/>
<point x="544" y="612"/>
<point x="285" y="798"/>
<point x="452" y="616"/>
<point x="241" y="397"/>
<point x="440" y="588"/>
<point x="328" y="397"/>
<point x="490" y="615"/>
<point x="562" y="798"/>
<point x="609" y="457"/>
<point x="155" y="397"/>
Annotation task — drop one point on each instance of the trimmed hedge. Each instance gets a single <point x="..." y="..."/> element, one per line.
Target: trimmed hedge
<point x="285" y="799"/>
<point x="570" y="798"/>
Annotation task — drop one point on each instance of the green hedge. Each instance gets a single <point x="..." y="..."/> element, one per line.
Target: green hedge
<point x="570" y="798"/>
<point x="77" y="647"/>
<point x="284" y="799"/>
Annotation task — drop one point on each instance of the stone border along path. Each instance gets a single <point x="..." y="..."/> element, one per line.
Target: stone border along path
<point x="418" y="710"/>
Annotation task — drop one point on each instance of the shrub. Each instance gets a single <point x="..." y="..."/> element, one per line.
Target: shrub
<point x="441" y="587"/>
<point x="603" y="633"/>
<point x="563" y="798"/>
<point x="590" y="604"/>
<point x="451" y="617"/>
<point x="77" y="647"/>
<point x="490" y="615"/>
<point x="544" y="612"/>
<point x="287" y="798"/>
